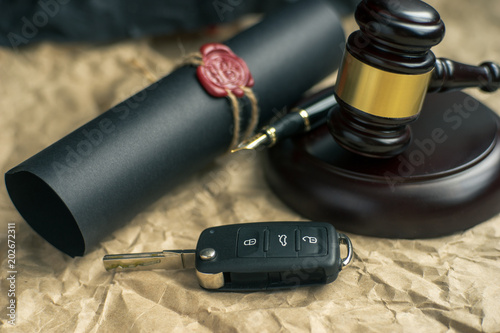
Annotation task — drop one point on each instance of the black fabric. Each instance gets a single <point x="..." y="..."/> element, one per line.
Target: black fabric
<point x="24" y="22"/>
<point x="105" y="172"/>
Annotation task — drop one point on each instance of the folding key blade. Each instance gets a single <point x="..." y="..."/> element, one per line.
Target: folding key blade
<point x="252" y="256"/>
<point x="169" y="260"/>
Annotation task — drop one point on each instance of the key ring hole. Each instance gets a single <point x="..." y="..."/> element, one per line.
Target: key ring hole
<point x="343" y="239"/>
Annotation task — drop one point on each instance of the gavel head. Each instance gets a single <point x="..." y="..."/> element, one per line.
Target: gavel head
<point x="384" y="76"/>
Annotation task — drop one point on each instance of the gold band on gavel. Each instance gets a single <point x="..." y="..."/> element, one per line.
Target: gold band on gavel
<point x="380" y="93"/>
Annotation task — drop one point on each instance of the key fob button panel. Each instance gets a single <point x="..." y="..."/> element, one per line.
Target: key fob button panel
<point x="259" y="256"/>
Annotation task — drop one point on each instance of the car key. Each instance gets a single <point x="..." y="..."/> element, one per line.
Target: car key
<point x="252" y="256"/>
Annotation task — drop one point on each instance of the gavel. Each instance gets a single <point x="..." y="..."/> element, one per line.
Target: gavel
<point x="387" y="70"/>
<point x="446" y="179"/>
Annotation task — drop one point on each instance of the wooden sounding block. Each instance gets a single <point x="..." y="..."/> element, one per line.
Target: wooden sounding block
<point x="447" y="180"/>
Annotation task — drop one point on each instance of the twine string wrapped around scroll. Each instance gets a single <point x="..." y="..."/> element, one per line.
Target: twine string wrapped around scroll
<point x="223" y="74"/>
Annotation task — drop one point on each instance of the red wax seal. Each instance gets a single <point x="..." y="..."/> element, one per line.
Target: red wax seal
<point x="223" y="71"/>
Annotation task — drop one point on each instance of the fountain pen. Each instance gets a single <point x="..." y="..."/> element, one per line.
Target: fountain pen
<point x="307" y="115"/>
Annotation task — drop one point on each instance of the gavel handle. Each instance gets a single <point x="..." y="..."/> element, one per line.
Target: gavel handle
<point x="451" y="75"/>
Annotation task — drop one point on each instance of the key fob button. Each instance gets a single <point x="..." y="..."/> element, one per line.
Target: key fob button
<point x="313" y="242"/>
<point x="282" y="242"/>
<point x="251" y="242"/>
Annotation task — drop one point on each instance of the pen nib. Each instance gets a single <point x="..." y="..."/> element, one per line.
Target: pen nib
<point x="260" y="139"/>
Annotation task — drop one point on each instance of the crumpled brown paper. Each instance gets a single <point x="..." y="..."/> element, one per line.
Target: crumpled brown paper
<point x="436" y="285"/>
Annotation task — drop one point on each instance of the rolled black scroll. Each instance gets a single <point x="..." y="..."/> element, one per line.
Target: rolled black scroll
<point x="94" y="180"/>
